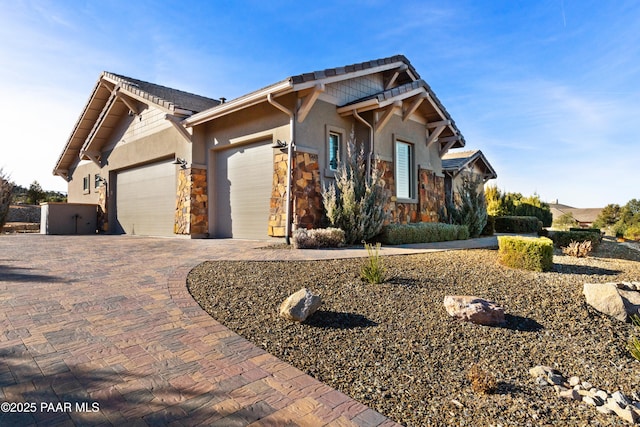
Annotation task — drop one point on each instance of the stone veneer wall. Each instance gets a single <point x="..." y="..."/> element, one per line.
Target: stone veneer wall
<point x="307" y="195"/>
<point x="191" y="202"/>
<point x="306" y="192"/>
<point x="430" y="196"/>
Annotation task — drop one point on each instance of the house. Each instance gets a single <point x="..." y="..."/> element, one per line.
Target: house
<point x="585" y="217"/>
<point x="458" y="164"/>
<point x="159" y="161"/>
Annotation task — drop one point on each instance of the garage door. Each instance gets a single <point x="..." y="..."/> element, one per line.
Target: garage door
<point x="244" y="177"/>
<point x="146" y="199"/>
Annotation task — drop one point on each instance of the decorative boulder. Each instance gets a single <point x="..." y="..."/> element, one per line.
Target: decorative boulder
<point x="473" y="309"/>
<point x="300" y="305"/>
<point x="618" y="300"/>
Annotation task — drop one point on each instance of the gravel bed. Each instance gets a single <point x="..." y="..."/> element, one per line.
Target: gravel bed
<point x="393" y="347"/>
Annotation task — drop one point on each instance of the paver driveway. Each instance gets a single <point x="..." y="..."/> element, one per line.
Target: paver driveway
<point x="101" y="330"/>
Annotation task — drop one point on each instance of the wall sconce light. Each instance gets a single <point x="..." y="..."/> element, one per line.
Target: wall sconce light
<point x="101" y="180"/>
<point x="181" y="162"/>
<point x="282" y="145"/>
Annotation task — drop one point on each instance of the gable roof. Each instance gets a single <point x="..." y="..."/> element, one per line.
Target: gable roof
<point x="402" y="82"/>
<point x="412" y="74"/>
<point x="112" y="97"/>
<point x="167" y="97"/>
<point x="455" y="162"/>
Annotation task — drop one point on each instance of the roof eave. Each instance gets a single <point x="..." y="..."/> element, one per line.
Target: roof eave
<point x="253" y="98"/>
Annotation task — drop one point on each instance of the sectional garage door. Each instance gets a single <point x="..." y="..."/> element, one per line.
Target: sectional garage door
<point x="243" y="179"/>
<point x="146" y="199"/>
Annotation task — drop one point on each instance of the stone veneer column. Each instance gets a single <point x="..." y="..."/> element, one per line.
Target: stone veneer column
<point x="191" y="202"/>
<point x="307" y="191"/>
<point x="103" y="218"/>
<point x="278" y="210"/>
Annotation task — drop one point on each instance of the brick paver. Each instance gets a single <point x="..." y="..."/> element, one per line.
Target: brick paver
<point x="101" y="330"/>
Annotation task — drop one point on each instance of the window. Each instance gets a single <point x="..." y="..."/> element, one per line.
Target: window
<point x="405" y="179"/>
<point x="85" y="184"/>
<point x="334" y="139"/>
<point x="334" y="150"/>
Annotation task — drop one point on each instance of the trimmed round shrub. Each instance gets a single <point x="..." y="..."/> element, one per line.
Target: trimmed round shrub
<point x="527" y="253"/>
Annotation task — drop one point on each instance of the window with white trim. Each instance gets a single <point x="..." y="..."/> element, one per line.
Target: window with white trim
<point x="405" y="178"/>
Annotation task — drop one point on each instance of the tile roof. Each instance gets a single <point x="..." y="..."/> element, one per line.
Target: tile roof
<point x="165" y="96"/>
<point x="453" y="161"/>
<point x="330" y="72"/>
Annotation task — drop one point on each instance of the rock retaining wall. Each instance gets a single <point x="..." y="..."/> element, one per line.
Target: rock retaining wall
<point x="24" y="213"/>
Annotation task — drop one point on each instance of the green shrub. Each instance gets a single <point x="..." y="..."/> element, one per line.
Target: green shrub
<point x="591" y="230"/>
<point x="562" y="239"/>
<point x="527" y="253"/>
<point x="490" y="228"/>
<point x="355" y="201"/>
<point x="517" y="224"/>
<point x="318" y="238"/>
<point x="634" y="343"/>
<point x="632" y="232"/>
<point x="373" y="270"/>
<point x="422" y="232"/>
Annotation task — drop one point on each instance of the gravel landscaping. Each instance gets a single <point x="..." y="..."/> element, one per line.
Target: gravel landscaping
<point x="394" y="348"/>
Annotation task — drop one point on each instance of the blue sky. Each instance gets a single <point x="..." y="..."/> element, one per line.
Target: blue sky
<point x="548" y="89"/>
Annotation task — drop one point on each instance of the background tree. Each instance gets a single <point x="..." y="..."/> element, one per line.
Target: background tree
<point x="565" y="221"/>
<point x="515" y="204"/>
<point x="6" y="196"/>
<point x="35" y="193"/>
<point x="608" y="216"/>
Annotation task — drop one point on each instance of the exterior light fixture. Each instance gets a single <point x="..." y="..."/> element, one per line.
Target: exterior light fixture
<point x="181" y="162"/>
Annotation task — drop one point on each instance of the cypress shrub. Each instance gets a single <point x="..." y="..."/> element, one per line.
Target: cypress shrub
<point x="422" y="232"/>
<point x="517" y="224"/>
<point x="527" y="253"/>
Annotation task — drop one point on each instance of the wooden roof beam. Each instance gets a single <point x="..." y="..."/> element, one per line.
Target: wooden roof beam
<point x="386" y="116"/>
<point x="433" y="135"/>
<point x="308" y="101"/>
<point x="413" y="107"/>
<point x="396" y="73"/>
<point x="448" y="143"/>
<point x="130" y="103"/>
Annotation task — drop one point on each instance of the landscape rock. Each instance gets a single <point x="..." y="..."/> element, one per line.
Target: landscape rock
<point x="570" y="394"/>
<point x="541" y="371"/>
<point x="622" y="400"/>
<point x="574" y="381"/>
<point x="618" y="300"/>
<point x="474" y="309"/>
<point x="300" y="305"/>
<point x="605" y="298"/>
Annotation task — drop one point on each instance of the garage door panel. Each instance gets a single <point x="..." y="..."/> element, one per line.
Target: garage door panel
<point x="243" y="191"/>
<point x="146" y="199"/>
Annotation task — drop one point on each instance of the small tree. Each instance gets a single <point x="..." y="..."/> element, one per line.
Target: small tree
<point x="355" y="202"/>
<point x="6" y="195"/>
<point x="565" y="221"/>
<point x="469" y="207"/>
<point x="35" y="193"/>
